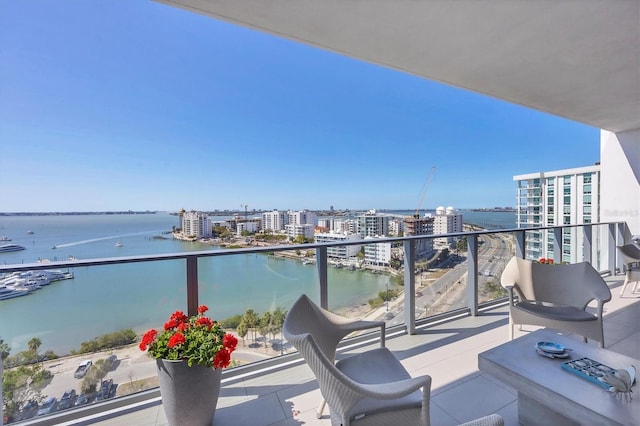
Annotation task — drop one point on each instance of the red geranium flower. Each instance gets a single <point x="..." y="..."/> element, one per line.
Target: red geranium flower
<point x="229" y="341"/>
<point x="222" y="359"/>
<point x="170" y="324"/>
<point x="147" y="339"/>
<point x="196" y="339"/>
<point x="205" y="322"/>
<point x="179" y="316"/>
<point x="176" y="339"/>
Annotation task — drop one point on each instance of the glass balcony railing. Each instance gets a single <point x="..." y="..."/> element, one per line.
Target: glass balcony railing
<point x="99" y="315"/>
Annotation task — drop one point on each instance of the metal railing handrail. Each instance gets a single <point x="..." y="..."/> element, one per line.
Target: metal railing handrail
<point x="616" y="232"/>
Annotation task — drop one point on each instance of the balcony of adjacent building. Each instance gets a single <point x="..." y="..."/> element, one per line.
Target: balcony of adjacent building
<point x="456" y="316"/>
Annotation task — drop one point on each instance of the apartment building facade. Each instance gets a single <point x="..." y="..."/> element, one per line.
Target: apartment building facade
<point x="561" y="197"/>
<point x="196" y="224"/>
<point x="274" y="221"/>
<point x="377" y="254"/>
<point x="306" y="230"/>
<point x="446" y="221"/>
<point x="301" y="217"/>
<point x="371" y="224"/>
<point x="342" y="252"/>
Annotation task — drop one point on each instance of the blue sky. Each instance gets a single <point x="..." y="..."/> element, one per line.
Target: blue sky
<point x="109" y="105"/>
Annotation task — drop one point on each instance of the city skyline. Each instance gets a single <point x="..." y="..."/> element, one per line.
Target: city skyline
<point x="141" y="106"/>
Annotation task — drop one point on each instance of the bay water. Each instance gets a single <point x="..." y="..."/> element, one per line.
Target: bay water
<point x="140" y="296"/>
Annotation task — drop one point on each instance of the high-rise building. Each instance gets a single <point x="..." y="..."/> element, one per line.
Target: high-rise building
<point x="377" y="254"/>
<point x="301" y="217"/>
<point x="196" y="224"/>
<point x="446" y="221"/>
<point x="274" y="221"/>
<point x="417" y="225"/>
<point x="560" y="197"/>
<point x="396" y="227"/>
<point x="372" y="224"/>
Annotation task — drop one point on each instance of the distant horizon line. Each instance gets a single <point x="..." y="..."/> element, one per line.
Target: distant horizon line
<point x="117" y="212"/>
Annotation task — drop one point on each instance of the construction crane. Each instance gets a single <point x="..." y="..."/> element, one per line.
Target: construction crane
<point x="246" y="214"/>
<point x="424" y="191"/>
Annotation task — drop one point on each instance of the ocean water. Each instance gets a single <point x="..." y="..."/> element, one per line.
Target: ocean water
<point x="141" y="296"/>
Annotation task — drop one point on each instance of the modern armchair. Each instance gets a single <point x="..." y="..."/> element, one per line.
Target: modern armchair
<point x="370" y="388"/>
<point x="327" y="328"/>
<point x="556" y="296"/>
<point x="630" y="254"/>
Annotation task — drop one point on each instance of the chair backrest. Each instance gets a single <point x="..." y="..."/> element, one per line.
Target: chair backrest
<point x="301" y="327"/>
<point x="630" y="253"/>
<point x="307" y="317"/>
<point x="573" y="284"/>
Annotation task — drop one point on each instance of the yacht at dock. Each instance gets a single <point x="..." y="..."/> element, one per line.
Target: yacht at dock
<point x="10" y="247"/>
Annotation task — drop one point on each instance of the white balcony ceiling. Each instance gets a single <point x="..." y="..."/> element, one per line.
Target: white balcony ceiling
<point x="578" y="59"/>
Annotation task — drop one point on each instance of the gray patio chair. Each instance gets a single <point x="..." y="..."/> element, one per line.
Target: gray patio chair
<point x="370" y="388"/>
<point x="630" y="254"/>
<point x="329" y="329"/>
<point x="556" y="296"/>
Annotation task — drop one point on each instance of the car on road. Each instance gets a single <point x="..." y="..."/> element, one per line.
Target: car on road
<point x="48" y="406"/>
<point x="388" y="316"/>
<point x="107" y="390"/>
<point x="82" y="369"/>
<point x="28" y="410"/>
<point x="82" y="399"/>
<point x="67" y="400"/>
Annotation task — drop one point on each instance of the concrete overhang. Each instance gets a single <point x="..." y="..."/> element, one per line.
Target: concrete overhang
<point x="577" y="59"/>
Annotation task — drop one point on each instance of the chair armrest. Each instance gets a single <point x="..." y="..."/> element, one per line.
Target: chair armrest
<point x="349" y="327"/>
<point x="393" y="390"/>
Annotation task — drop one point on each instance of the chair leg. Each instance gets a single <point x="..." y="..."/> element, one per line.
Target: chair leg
<point x="626" y="282"/>
<point x="511" y="325"/>
<point x="323" y="402"/>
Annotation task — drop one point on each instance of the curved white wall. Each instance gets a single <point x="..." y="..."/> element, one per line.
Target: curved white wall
<point x="620" y="175"/>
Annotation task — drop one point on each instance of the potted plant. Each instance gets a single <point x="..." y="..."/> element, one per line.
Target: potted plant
<point x="190" y="354"/>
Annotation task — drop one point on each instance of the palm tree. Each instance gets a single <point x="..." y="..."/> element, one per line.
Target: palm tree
<point x="4" y="350"/>
<point x="34" y="344"/>
<point x="251" y="321"/>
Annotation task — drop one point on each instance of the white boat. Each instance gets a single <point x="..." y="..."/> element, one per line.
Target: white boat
<point x="118" y="244"/>
<point x="10" y="293"/>
<point x="5" y="238"/>
<point x="10" y="247"/>
<point x="29" y="232"/>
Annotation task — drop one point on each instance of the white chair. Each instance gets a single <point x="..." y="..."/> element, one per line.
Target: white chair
<point x="555" y="296"/>
<point x="630" y="254"/>
<point x="329" y="329"/>
<point x="370" y="388"/>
